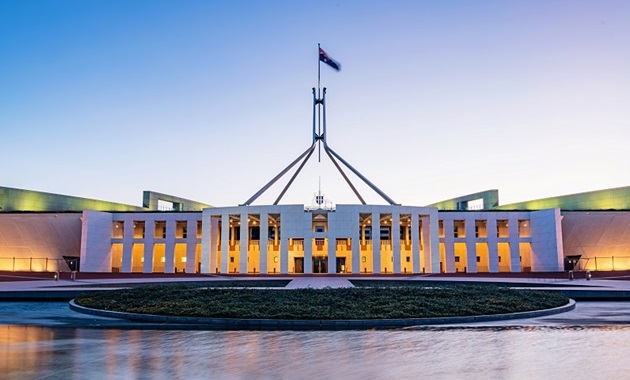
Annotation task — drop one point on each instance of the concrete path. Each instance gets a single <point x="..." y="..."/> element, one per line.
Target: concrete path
<point x="319" y="283"/>
<point x="585" y="314"/>
<point x="23" y="288"/>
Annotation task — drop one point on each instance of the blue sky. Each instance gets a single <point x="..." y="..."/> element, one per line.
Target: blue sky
<point x="208" y="100"/>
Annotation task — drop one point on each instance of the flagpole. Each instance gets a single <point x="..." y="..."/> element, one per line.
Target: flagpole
<point x="319" y="108"/>
<point x="319" y="63"/>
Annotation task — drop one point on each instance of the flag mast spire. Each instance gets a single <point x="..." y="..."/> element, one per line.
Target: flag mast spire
<point x="319" y="64"/>
<point x="319" y="139"/>
<point x="318" y="101"/>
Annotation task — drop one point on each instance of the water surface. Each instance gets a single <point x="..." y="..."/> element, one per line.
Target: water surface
<point x="499" y="352"/>
<point x="42" y="341"/>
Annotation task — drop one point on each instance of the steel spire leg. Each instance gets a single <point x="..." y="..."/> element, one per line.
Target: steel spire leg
<point x="294" y="175"/>
<point x="356" y="192"/>
<point x="367" y="182"/>
<point x="276" y="178"/>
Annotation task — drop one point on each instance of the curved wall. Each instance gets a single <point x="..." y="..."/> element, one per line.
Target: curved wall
<point x="601" y="238"/>
<point x="38" y="241"/>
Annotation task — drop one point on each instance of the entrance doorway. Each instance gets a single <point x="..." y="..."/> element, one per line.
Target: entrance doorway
<point x="320" y="264"/>
<point x="341" y="265"/>
<point x="299" y="265"/>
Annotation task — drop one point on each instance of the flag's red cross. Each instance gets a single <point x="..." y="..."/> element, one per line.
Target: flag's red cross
<point x="323" y="57"/>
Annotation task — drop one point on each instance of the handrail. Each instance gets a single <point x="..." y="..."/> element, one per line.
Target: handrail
<point x="36" y="264"/>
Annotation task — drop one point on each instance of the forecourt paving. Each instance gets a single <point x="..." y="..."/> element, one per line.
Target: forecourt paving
<point x="57" y="314"/>
<point x="21" y="287"/>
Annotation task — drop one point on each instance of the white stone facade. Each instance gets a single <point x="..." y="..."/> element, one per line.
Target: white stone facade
<point x="288" y="239"/>
<point x="166" y="242"/>
<point x="500" y="241"/>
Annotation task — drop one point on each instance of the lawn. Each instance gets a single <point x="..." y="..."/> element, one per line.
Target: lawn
<point x="378" y="302"/>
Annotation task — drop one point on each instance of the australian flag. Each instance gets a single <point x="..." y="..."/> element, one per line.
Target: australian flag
<point x="329" y="61"/>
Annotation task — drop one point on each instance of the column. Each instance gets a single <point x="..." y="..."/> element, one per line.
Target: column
<point x="244" y="243"/>
<point x="432" y="255"/>
<point x="207" y="241"/>
<point x="264" y="242"/>
<point x="493" y="250"/>
<point x="225" y="242"/>
<point x="471" y="246"/>
<point x="356" y="246"/>
<point x="169" y="249"/>
<point x="396" y="240"/>
<point x="332" y="254"/>
<point x="191" y="246"/>
<point x="376" y="242"/>
<point x="284" y="253"/>
<point x="215" y="239"/>
<point x="515" y="249"/>
<point x="149" y="239"/>
<point x="308" y="254"/>
<point x="415" y="242"/>
<point x="449" y="246"/>
<point x="127" y="247"/>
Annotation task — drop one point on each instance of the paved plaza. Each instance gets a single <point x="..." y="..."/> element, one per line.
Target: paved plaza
<point x="10" y="283"/>
<point x="17" y="289"/>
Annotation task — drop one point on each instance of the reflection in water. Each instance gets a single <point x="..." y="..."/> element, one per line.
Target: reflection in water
<point x="436" y="352"/>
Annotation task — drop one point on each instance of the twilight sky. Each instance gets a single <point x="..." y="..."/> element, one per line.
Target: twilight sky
<point x="208" y="100"/>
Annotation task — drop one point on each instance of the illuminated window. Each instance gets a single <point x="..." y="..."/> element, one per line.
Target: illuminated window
<point x="524" y="228"/>
<point x="138" y="229"/>
<point x="459" y="228"/>
<point x="481" y="230"/>
<point x="160" y="229"/>
<point x="117" y="230"/>
<point x="503" y="229"/>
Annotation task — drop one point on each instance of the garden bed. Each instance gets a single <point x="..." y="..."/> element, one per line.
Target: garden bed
<point x="196" y="300"/>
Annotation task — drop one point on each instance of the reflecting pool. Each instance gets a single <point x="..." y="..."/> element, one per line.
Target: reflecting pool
<point x="500" y="352"/>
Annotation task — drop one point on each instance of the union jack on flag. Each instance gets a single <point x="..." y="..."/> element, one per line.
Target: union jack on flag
<point x="329" y="61"/>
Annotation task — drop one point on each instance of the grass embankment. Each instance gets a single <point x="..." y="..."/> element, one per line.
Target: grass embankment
<point x="348" y="303"/>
